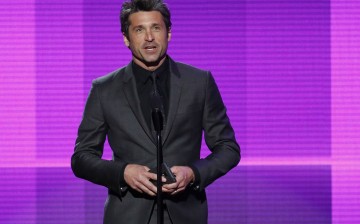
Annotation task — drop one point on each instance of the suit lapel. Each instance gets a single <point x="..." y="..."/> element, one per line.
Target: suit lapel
<point x="132" y="97"/>
<point x="175" y="93"/>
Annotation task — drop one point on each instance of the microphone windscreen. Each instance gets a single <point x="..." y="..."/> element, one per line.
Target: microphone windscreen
<point x="157" y="119"/>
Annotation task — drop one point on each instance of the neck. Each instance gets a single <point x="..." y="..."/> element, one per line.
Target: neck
<point x="152" y="66"/>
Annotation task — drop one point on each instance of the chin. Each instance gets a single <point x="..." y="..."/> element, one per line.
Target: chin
<point x="152" y="61"/>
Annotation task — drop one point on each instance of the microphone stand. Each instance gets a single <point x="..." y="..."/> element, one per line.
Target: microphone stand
<point x="158" y="126"/>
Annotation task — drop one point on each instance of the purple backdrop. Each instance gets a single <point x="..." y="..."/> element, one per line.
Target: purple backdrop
<point x="288" y="71"/>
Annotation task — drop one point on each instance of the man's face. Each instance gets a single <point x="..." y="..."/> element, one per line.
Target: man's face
<point x="148" y="39"/>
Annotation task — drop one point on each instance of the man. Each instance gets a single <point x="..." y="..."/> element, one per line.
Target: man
<point x="119" y="107"/>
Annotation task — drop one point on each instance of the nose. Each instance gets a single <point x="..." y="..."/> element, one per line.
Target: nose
<point x="148" y="36"/>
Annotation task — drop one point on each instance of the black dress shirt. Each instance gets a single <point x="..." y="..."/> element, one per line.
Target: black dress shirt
<point x="145" y="88"/>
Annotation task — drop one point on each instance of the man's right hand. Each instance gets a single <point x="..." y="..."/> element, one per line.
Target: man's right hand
<point x="138" y="178"/>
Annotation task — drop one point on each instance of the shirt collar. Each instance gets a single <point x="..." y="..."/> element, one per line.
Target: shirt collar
<point x="142" y="75"/>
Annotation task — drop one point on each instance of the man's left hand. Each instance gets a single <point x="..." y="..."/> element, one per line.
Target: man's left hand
<point x="184" y="176"/>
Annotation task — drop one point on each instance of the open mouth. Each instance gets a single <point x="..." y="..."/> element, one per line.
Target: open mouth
<point x="150" y="48"/>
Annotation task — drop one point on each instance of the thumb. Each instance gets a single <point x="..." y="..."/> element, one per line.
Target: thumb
<point x="174" y="169"/>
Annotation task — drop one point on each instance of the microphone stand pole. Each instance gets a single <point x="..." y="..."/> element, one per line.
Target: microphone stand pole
<point x="158" y="124"/>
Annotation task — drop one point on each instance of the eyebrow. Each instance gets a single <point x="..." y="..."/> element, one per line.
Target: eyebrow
<point x="142" y="26"/>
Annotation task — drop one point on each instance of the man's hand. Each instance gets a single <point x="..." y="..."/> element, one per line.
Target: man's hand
<point x="184" y="175"/>
<point x="138" y="178"/>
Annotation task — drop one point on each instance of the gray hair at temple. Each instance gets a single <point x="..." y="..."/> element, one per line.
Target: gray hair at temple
<point x="133" y="6"/>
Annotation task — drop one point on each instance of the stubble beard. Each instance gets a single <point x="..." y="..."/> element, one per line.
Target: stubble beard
<point x="150" y="63"/>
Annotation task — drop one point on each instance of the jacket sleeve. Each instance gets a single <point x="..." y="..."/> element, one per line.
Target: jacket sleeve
<point x="219" y="137"/>
<point x="86" y="161"/>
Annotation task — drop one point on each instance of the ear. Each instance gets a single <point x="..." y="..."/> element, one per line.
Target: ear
<point x="169" y="34"/>
<point x="126" y="41"/>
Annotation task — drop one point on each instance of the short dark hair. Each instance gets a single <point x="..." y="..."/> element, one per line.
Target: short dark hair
<point x="133" y="6"/>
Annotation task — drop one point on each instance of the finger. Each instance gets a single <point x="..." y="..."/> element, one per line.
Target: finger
<point x="174" y="169"/>
<point x="143" y="183"/>
<point x="171" y="186"/>
<point x="147" y="190"/>
<point x="153" y="176"/>
<point x="176" y="191"/>
<point x="166" y="190"/>
<point x="169" y="190"/>
<point x="182" y="183"/>
<point x="149" y="185"/>
<point x="150" y="175"/>
<point x="146" y="168"/>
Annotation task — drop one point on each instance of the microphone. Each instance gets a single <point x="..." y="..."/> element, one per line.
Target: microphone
<point x="156" y="106"/>
<point x="157" y="119"/>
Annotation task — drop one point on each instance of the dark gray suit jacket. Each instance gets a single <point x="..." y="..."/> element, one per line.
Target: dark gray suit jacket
<point x="113" y="110"/>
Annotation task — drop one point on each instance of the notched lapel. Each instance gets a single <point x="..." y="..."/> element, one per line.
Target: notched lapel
<point x="133" y="99"/>
<point x="174" y="98"/>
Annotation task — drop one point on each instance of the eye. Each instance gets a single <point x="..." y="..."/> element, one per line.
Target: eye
<point x="138" y="30"/>
<point x="156" y="28"/>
